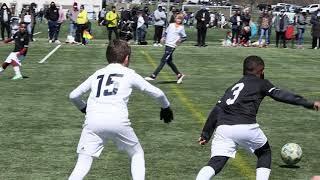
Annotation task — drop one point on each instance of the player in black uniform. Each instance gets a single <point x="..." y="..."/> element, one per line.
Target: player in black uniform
<point x="234" y="120"/>
<point x="21" y="41"/>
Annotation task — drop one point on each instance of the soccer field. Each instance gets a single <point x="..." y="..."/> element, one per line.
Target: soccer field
<point x="40" y="128"/>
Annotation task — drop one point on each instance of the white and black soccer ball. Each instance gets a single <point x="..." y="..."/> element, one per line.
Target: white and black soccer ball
<point x="291" y="153"/>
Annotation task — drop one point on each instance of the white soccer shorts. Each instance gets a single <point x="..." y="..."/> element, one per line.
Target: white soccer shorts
<point x="92" y="141"/>
<point x="228" y="138"/>
<point x="13" y="57"/>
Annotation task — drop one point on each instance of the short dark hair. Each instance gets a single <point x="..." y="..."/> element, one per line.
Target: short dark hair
<point x="117" y="51"/>
<point x="251" y="63"/>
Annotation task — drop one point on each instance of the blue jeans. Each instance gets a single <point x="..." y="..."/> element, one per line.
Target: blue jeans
<point x="141" y="33"/>
<point x="72" y="29"/>
<point x="264" y="31"/>
<point x="52" y="25"/>
<point x="300" y="36"/>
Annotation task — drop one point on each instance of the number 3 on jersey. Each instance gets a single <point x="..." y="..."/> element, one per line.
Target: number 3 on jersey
<point x="236" y="91"/>
<point x="109" y="82"/>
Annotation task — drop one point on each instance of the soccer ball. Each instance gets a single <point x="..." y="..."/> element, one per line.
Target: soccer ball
<point x="291" y="153"/>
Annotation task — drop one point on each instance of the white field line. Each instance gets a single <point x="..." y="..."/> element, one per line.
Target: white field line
<point x="37" y="33"/>
<point x="50" y="53"/>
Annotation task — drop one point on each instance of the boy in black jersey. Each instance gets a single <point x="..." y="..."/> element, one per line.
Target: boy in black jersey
<point x="234" y="120"/>
<point x="21" y="40"/>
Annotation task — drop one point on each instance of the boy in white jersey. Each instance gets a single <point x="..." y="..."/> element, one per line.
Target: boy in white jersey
<point x="174" y="35"/>
<point x="107" y="113"/>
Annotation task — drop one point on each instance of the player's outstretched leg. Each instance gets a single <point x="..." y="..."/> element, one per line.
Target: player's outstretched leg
<point x="264" y="162"/>
<point x="137" y="162"/>
<point x="4" y="66"/>
<point x="82" y="167"/>
<point x="16" y="68"/>
<point x="215" y="165"/>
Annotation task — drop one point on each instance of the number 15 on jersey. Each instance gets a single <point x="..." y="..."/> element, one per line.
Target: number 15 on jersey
<point x="109" y="82"/>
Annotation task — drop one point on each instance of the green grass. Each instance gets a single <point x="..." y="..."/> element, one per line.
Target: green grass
<point x="40" y="128"/>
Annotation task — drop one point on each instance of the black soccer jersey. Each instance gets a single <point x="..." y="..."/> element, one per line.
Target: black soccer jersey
<point x="21" y="41"/>
<point x="241" y="101"/>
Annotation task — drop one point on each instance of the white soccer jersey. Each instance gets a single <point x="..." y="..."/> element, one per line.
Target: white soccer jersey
<point x="110" y="90"/>
<point x="173" y="34"/>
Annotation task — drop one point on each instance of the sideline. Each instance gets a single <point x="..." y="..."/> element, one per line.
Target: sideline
<point x="48" y="55"/>
<point x="37" y="33"/>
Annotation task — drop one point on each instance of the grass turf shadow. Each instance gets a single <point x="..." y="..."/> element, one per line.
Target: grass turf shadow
<point x="289" y="166"/>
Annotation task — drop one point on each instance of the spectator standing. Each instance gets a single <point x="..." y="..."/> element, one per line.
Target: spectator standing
<point x="5" y="16"/>
<point x="112" y="18"/>
<point x="52" y="15"/>
<point x="236" y="25"/>
<point x="141" y="29"/>
<point x="222" y="21"/>
<point x="281" y="23"/>
<point x="82" y="21"/>
<point x="159" y="18"/>
<point x="27" y="18"/>
<point x="171" y="15"/>
<point x="265" y="21"/>
<point x="301" y="22"/>
<point x="203" y="20"/>
<point x="246" y="17"/>
<point x="73" y="15"/>
<point x="40" y="15"/>
<point x="315" y="30"/>
<point x="134" y="15"/>
<point x="33" y="13"/>
<point x="61" y="19"/>
<point x="102" y="14"/>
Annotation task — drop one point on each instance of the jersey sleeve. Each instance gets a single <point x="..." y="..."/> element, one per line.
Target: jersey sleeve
<point x="145" y="86"/>
<point x="75" y="95"/>
<point x="183" y="35"/>
<point x="287" y="97"/>
<point x="211" y="123"/>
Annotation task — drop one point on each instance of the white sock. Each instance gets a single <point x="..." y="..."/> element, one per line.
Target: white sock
<point x="1" y="69"/>
<point x="82" y="167"/>
<point x="205" y="173"/>
<point x="138" y="166"/>
<point x="262" y="173"/>
<point x="17" y="70"/>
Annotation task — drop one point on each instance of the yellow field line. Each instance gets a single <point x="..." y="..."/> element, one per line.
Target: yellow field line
<point x="239" y="162"/>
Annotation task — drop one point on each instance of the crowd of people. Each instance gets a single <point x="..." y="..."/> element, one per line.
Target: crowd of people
<point x="133" y="24"/>
<point x="244" y="30"/>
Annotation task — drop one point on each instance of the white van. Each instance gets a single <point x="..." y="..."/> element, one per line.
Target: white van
<point x="311" y="8"/>
<point x="193" y="1"/>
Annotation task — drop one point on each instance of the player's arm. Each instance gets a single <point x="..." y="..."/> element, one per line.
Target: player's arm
<point x="166" y="113"/>
<point x="8" y="40"/>
<point x="289" y="97"/>
<point x="75" y="95"/>
<point x="209" y="126"/>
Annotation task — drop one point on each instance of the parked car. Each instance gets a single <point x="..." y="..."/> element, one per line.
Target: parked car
<point x="311" y="8"/>
<point x="264" y="6"/>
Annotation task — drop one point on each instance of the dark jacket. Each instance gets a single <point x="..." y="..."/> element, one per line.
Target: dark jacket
<point x="234" y="22"/>
<point x="277" y="23"/>
<point x="52" y="13"/>
<point x="2" y="13"/>
<point x="202" y="13"/>
<point x="246" y="19"/>
<point x="315" y="21"/>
